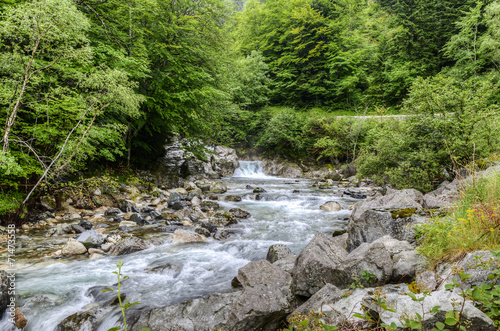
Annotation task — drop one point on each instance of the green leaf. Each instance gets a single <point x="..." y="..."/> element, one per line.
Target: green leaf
<point x="451" y="321"/>
<point x="415" y="325"/>
<point x="116" y="328"/>
<point x="440" y="325"/>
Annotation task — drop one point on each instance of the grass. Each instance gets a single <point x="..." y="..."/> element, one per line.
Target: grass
<point x="472" y="224"/>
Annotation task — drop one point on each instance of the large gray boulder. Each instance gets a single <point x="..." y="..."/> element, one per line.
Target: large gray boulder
<point x="262" y="304"/>
<point x="222" y="219"/>
<point x="373" y="258"/>
<point x="321" y="261"/>
<point x="319" y="300"/>
<point x="281" y="168"/>
<point x="393" y="214"/>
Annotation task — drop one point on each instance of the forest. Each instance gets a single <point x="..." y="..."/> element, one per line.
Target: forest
<point x="88" y="85"/>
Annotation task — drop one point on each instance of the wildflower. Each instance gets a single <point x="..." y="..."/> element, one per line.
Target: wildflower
<point x="491" y="229"/>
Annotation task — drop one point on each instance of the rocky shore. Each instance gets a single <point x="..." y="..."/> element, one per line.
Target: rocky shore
<point x="339" y="275"/>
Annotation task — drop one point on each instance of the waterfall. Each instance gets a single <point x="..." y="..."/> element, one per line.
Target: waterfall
<point x="250" y="169"/>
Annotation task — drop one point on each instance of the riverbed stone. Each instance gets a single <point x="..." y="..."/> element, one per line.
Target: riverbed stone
<point x="128" y="245"/>
<point x="331" y="206"/>
<point x="187" y="236"/>
<point x="208" y="205"/>
<point x="233" y="198"/>
<point x="73" y="247"/>
<point x="127" y="224"/>
<point x="218" y="187"/>
<point x="91" y="238"/>
<point x="222" y="219"/>
<point x="77" y="228"/>
<point x="239" y="213"/>
<point x="406" y="265"/>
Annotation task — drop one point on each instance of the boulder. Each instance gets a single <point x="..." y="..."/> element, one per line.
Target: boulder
<point x="319" y="262"/>
<point x="472" y="317"/>
<point x="406" y="265"/>
<point x="77" y="228"/>
<point x="218" y="187"/>
<point x="209" y="206"/>
<point x="319" y="300"/>
<point x="441" y="197"/>
<point x="233" y="198"/>
<point x="475" y="264"/>
<point x="91" y="238"/>
<point x="239" y="213"/>
<point x="331" y="206"/>
<point x="277" y="252"/>
<point x="281" y="168"/>
<point x="373" y="258"/>
<point x="128" y="245"/>
<point x="262" y="303"/>
<point x="73" y="247"/>
<point x="85" y="224"/>
<point x="287" y="263"/>
<point x="112" y="212"/>
<point x="427" y="280"/>
<point x="127" y="224"/>
<point x="374" y="224"/>
<point x="187" y="236"/>
<point x="19" y="320"/>
<point x="221" y="235"/>
<point x="222" y="219"/>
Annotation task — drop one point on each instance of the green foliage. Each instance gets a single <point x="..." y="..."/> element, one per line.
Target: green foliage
<point x="283" y="134"/>
<point x="449" y="123"/>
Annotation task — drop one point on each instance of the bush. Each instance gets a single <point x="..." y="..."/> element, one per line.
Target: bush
<point x="449" y="124"/>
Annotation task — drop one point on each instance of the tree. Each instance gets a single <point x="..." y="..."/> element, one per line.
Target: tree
<point x="55" y="99"/>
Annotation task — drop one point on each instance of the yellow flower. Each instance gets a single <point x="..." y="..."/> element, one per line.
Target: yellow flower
<point x="491" y="229"/>
<point x="471" y="210"/>
<point x="462" y="220"/>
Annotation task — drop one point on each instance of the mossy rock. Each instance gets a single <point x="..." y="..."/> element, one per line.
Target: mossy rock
<point x="403" y="213"/>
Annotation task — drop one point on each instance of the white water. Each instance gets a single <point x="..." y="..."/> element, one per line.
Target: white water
<point x="280" y="217"/>
<point x="250" y="169"/>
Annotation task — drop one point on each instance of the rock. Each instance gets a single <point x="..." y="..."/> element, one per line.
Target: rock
<point x="277" y="252"/>
<point x="427" y="280"/>
<point x="186" y="236"/>
<point x="106" y="247"/>
<point x="327" y="295"/>
<point x="262" y="303"/>
<point x="174" y="197"/>
<point x="473" y="317"/>
<point x="77" y="228"/>
<point x="354" y="195"/>
<point x="96" y="219"/>
<point x="19" y="319"/>
<point x="195" y="201"/>
<point x="48" y="202"/>
<point x="128" y="245"/>
<point x="259" y="190"/>
<point x="249" y="187"/>
<point x="218" y="187"/>
<point x="85" y="224"/>
<point x="373" y="258"/>
<point x="179" y="190"/>
<point x="221" y="220"/>
<point x="221" y="235"/>
<point x="25" y="227"/>
<point x="233" y="198"/>
<point x="73" y="247"/>
<point x="127" y="224"/>
<point x="209" y="206"/>
<point x="112" y="212"/>
<point x="127" y="206"/>
<point x="287" y="263"/>
<point x="209" y="226"/>
<point x="138" y="219"/>
<point x="408" y="198"/>
<point x="202" y="231"/>
<point x="281" y="169"/>
<point x="443" y="196"/>
<point x="91" y="238"/>
<point x="406" y="265"/>
<point x="341" y="241"/>
<point x="213" y="197"/>
<point x="395" y="246"/>
<point x="74" y="216"/>
<point x="170" y="268"/>
<point x="319" y="262"/>
<point x="239" y="213"/>
<point x="473" y="264"/>
<point x="156" y="215"/>
<point x="331" y="206"/>
<point x="373" y="224"/>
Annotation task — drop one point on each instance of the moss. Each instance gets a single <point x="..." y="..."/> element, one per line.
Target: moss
<point x="403" y="213"/>
<point x="414" y="288"/>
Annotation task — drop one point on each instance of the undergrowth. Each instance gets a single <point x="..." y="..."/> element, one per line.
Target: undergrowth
<point x="472" y="224"/>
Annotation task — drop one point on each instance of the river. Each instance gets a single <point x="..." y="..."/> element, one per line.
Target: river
<point x="52" y="291"/>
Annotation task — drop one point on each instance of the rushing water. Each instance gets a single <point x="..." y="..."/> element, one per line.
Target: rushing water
<point x="281" y="216"/>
